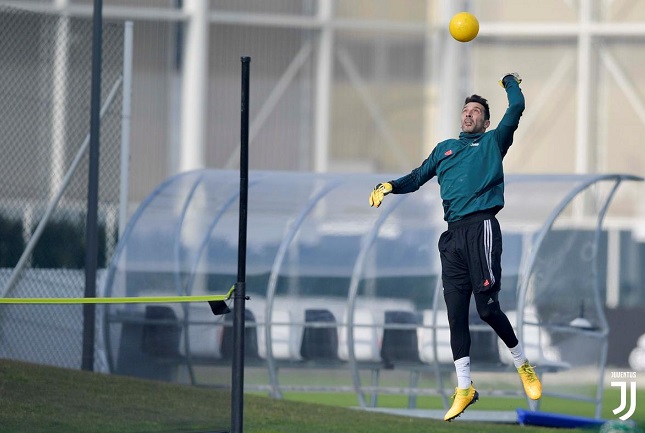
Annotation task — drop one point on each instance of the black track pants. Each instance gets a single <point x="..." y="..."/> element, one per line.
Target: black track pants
<point x="471" y="252"/>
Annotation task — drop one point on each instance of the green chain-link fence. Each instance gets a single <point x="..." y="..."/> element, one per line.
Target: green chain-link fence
<point x="45" y="81"/>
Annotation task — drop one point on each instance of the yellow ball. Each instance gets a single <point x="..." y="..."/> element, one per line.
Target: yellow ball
<point x="464" y="27"/>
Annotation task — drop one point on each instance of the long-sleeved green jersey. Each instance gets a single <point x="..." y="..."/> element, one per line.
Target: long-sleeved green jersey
<point x="469" y="169"/>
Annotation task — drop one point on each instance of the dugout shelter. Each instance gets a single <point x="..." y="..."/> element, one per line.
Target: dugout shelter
<point x="337" y="285"/>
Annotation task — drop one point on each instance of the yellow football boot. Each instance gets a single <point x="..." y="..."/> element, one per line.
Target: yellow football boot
<point x="530" y="380"/>
<point x="461" y="400"/>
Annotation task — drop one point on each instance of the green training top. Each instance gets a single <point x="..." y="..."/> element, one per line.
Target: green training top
<point x="469" y="169"/>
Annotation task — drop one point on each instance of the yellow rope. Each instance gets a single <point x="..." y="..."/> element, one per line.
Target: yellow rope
<point x="120" y="300"/>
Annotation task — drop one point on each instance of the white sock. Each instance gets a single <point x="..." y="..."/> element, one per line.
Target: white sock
<point x="462" y="365"/>
<point x="519" y="357"/>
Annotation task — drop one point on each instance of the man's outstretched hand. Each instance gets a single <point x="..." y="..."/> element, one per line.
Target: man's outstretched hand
<point x="379" y="192"/>
<point x="514" y="76"/>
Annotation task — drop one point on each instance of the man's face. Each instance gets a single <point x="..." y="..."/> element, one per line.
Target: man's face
<point x="472" y="118"/>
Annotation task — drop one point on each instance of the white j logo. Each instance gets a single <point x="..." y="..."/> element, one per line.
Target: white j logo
<point x="623" y="399"/>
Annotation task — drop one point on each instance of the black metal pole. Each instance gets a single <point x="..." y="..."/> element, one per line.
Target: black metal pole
<point x="237" y="391"/>
<point x="91" y="234"/>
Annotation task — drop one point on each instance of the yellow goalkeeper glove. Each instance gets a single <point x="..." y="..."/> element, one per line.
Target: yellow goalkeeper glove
<point x="380" y="191"/>
<point x="510" y="76"/>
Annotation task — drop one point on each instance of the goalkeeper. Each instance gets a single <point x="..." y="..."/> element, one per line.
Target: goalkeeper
<point x="470" y="173"/>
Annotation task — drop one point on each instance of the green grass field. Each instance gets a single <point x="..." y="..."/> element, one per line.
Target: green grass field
<point x="47" y="399"/>
<point x="549" y="404"/>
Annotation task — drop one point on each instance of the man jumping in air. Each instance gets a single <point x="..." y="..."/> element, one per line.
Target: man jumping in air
<point x="470" y="172"/>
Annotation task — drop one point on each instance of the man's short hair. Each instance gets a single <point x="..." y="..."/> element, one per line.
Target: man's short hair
<point x="480" y="100"/>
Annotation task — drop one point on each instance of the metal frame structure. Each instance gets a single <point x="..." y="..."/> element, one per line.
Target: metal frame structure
<point x="588" y="34"/>
<point x="602" y="333"/>
<point x="587" y="182"/>
<point x="323" y="186"/>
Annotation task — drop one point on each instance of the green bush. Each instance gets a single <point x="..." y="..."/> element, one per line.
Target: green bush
<point x="12" y="243"/>
<point x="62" y="245"/>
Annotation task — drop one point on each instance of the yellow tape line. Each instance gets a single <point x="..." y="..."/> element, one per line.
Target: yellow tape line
<point x="121" y="300"/>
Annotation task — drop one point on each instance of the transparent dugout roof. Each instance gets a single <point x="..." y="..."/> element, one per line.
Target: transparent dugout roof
<point x="312" y="226"/>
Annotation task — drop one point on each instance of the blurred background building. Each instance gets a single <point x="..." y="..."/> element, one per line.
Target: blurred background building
<point x="373" y="85"/>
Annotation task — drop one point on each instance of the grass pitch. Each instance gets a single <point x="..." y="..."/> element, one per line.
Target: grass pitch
<point x="48" y="399"/>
